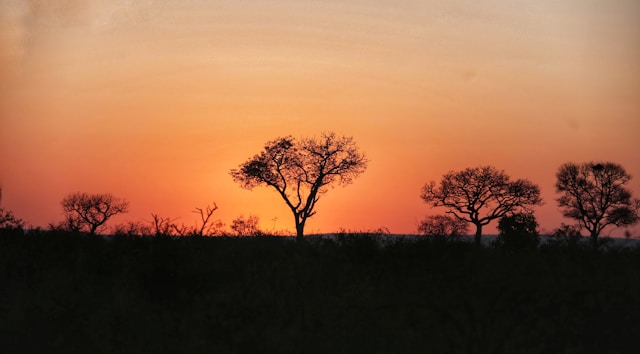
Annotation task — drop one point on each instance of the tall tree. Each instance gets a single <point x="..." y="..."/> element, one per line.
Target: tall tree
<point x="91" y="211"/>
<point x="480" y="195"/>
<point x="594" y="194"/>
<point x="302" y="170"/>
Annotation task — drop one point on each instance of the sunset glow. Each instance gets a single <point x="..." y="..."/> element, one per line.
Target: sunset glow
<point x="155" y="101"/>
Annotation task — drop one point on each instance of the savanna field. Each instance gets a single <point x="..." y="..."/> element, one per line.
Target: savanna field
<point x="173" y="173"/>
<point x="355" y="293"/>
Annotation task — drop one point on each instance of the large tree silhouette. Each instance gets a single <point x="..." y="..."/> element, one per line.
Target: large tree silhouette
<point x="480" y="195"/>
<point x="594" y="194"/>
<point x="91" y="211"/>
<point x="302" y="170"/>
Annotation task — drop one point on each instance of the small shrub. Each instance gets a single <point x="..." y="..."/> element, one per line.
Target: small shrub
<point x="246" y="227"/>
<point x="443" y="227"/>
<point x="565" y="236"/>
<point x="517" y="232"/>
<point x="8" y="221"/>
<point x="132" y="228"/>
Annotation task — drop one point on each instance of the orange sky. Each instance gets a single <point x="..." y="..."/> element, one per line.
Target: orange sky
<point x="155" y="101"/>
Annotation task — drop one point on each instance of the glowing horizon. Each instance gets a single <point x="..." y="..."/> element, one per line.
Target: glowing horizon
<point x="156" y="101"/>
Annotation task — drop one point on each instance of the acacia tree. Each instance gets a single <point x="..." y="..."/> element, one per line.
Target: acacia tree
<point x="302" y="170"/>
<point x="480" y="195"/>
<point x="442" y="225"/>
<point x="595" y="195"/>
<point x="91" y="211"/>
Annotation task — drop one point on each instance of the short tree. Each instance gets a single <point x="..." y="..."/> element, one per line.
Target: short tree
<point x="302" y="170"/>
<point x="91" y="211"/>
<point x="246" y="227"/>
<point x="207" y="226"/>
<point x="594" y="194"/>
<point x="480" y="195"/>
<point x="161" y="226"/>
<point x="164" y="226"/>
<point x="518" y="231"/>
<point x="8" y="221"/>
<point x="443" y="225"/>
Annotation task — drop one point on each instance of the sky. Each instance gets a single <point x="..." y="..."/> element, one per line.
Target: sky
<point x="155" y="101"/>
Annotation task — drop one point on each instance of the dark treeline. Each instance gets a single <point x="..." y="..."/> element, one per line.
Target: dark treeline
<point x="356" y="293"/>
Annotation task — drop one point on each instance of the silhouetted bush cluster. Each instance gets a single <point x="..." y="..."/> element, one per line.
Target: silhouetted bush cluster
<point x="518" y="231"/>
<point x="352" y="293"/>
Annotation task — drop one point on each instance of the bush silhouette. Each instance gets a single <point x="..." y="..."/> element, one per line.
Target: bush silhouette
<point x="8" y="221"/>
<point x="517" y="232"/>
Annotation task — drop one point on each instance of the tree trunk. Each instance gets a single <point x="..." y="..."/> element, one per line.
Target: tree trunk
<point x="478" y="237"/>
<point x="299" y="229"/>
<point x="594" y="238"/>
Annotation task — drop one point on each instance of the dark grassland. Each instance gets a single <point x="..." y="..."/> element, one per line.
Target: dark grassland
<point x="71" y="293"/>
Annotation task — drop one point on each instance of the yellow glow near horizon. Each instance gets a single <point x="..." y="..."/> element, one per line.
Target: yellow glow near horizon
<point x="155" y="101"/>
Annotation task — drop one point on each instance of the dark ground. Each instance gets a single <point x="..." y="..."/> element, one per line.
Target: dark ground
<point x="77" y="294"/>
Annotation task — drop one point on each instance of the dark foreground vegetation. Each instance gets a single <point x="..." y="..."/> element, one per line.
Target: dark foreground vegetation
<point x="72" y="293"/>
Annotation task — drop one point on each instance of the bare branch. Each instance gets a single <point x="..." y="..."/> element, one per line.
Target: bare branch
<point x="205" y="218"/>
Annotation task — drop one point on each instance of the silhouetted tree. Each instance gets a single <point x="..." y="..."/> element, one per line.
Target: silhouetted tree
<point x="301" y="170"/>
<point x="8" y="221"/>
<point x="443" y="225"/>
<point x="595" y="195"/>
<point x="91" y="211"/>
<point x="246" y="227"/>
<point x="161" y="226"/>
<point x="481" y="194"/>
<point x="207" y="226"/>
<point x="518" y="231"/>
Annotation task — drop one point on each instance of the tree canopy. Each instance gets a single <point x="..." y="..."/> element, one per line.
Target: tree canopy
<point x="91" y="211"/>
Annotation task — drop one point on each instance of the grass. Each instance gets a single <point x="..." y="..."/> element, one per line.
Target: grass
<point x="71" y="293"/>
